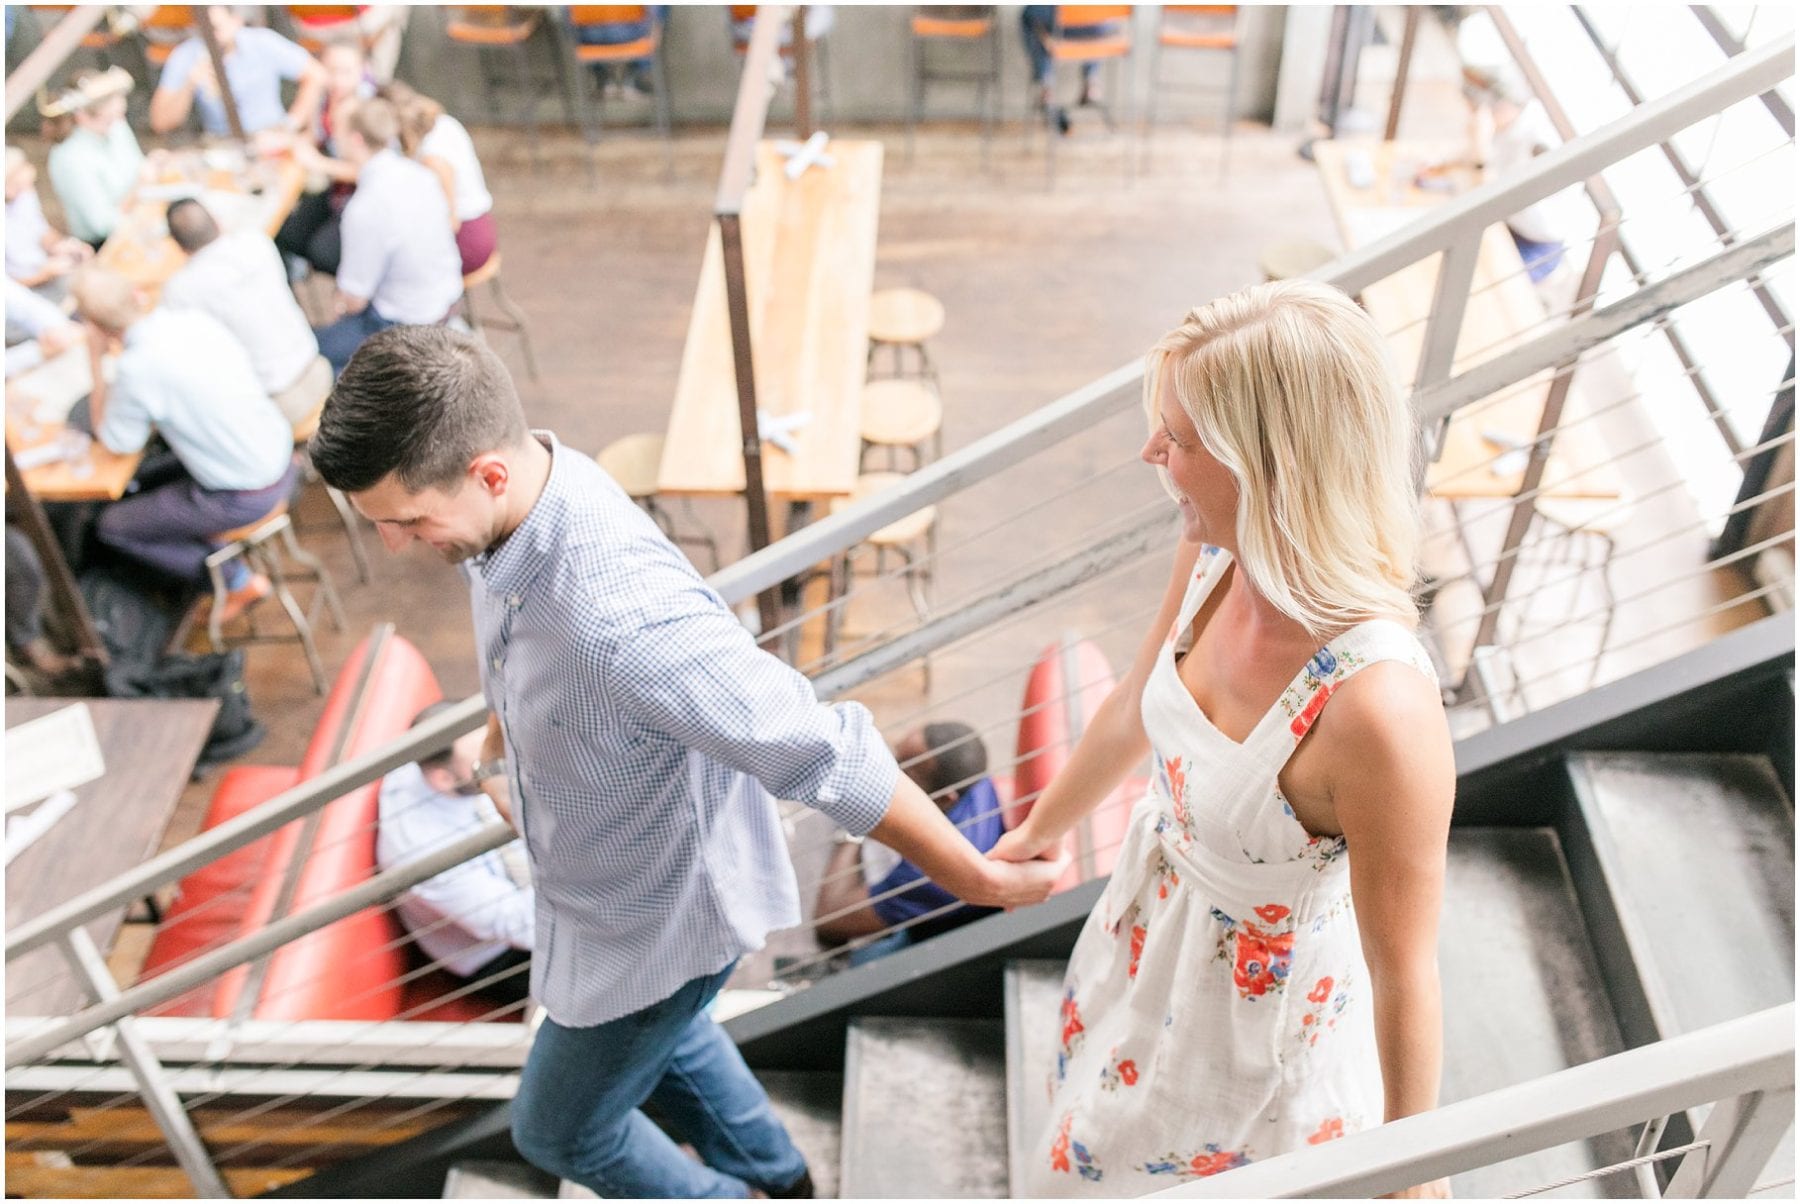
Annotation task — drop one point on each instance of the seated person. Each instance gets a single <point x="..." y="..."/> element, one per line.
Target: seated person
<point x="238" y="278"/>
<point x="377" y="26"/>
<point x="440" y="142"/>
<point x="96" y="163"/>
<point x="256" y="61"/>
<point x="865" y="888"/>
<point x="1037" y="22"/>
<point x="183" y="375"/>
<point x="313" y="231"/>
<point x="476" y="918"/>
<point x="400" y="265"/>
<point x="635" y="74"/>
<point x="41" y="329"/>
<point x="37" y="256"/>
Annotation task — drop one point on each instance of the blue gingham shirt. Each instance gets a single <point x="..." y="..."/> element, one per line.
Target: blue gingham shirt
<point x="645" y="733"/>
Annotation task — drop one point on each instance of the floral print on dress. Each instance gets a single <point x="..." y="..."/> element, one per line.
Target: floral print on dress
<point x="1330" y="1129"/>
<point x="1211" y="1160"/>
<point x="1325" y="1003"/>
<point x="1172" y="776"/>
<point x="1072" y="1029"/>
<point x="1064" y="1146"/>
<point x="1305" y="699"/>
<point x="1261" y="956"/>
<point x="1118" y="1072"/>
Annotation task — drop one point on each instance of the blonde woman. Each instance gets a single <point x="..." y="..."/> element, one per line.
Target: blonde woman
<point x="1261" y="973"/>
<point x="96" y="163"/>
<point x="440" y="142"/>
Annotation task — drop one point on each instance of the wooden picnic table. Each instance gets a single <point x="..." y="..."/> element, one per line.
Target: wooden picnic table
<point x="809" y="266"/>
<point x="1504" y="310"/>
<point x="117" y="823"/>
<point x="37" y="410"/>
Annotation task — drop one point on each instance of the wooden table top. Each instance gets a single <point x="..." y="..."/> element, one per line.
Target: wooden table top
<point x="240" y="193"/>
<point x="37" y="406"/>
<point x="809" y="266"/>
<point x="150" y="748"/>
<point x="1504" y="310"/>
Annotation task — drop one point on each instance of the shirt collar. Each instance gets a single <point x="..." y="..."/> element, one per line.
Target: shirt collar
<point x="507" y="568"/>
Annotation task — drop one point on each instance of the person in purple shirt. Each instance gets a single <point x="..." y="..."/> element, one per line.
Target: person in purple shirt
<point x="867" y="888"/>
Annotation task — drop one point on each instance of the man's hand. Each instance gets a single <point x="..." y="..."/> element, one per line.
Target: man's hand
<point x="57" y="339"/>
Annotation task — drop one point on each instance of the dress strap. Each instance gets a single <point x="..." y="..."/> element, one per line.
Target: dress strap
<point x="1209" y="570"/>
<point x="1299" y="707"/>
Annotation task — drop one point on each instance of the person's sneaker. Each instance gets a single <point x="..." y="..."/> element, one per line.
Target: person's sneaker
<point x="245" y="596"/>
<point x="799" y="1189"/>
<point x="1063" y="124"/>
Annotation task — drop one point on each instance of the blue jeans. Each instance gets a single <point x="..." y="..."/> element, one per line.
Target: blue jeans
<point x="577" y="1112"/>
<point x="893" y="942"/>
<point x="339" y="341"/>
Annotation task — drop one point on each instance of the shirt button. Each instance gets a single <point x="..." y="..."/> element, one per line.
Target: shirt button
<point x="517" y="600"/>
<point x="496" y="663"/>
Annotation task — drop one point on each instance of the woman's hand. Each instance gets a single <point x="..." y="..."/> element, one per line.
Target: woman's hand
<point x="1021" y="844"/>
<point x="1438" y="1189"/>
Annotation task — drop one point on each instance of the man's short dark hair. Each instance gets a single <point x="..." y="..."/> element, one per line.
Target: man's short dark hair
<point x="420" y="401"/>
<point x="190" y="225"/>
<point x="955" y="758"/>
<point x="440" y="759"/>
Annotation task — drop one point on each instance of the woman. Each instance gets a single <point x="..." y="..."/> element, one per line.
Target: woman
<point x="1226" y="1002"/>
<point x="440" y="142"/>
<point x="311" y="231"/>
<point x="96" y="162"/>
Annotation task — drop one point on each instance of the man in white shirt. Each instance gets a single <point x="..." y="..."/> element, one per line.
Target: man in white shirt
<point x="239" y="279"/>
<point x="183" y="375"/>
<point x="477" y="919"/>
<point x="400" y="265"/>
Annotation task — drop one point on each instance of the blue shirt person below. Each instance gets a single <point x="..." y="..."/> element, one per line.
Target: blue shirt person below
<point x="868" y="889"/>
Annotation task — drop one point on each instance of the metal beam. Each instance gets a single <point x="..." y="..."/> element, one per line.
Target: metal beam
<point x="190" y="974"/>
<point x="50" y="54"/>
<point x="1566" y="343"/>
<point x="1753" y="1053"/>
<point x="1772" y="100"/>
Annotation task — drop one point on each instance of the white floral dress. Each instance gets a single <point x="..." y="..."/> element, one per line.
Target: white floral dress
<point x="1216" y="1009"/>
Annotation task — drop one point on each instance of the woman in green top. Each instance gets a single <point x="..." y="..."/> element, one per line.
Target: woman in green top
<point x="95" y="163"/>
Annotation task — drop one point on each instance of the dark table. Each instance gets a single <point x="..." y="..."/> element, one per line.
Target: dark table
<point x="150" y="748"/>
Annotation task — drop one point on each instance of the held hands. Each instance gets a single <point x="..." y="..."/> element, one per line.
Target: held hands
<point x="1437" y="1190"/>
<point x="1024" y="867"/>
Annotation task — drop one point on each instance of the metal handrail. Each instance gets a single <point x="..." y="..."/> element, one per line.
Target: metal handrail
<point x="1748" y="75"/>
<point x="1740" y="1057"/>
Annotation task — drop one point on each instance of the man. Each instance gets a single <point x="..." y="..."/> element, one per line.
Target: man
<point x="256" y="61"/>
<point x="638" y="733"/>
<point x="185" y="376"/>
<point x="239" y="279"/>
<point x="867" y="888"/>
<point x="474" y="918"/>
<point x="399" y="264"/>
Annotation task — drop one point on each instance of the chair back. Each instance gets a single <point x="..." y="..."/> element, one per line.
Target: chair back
<point x="322" y="14"/>
<point x="952" y="20"/>
<point x="741" y="12"/>
<point x="607" y="14"/>
<point x="1086" y="16"/>
<point x="1200" y="10"/>
<point x="170" y="16"/>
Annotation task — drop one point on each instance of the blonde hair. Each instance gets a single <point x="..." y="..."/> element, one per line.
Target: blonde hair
<point x="1291" y="389"/>
<point x="105" y="298"/>
<point x="375" y="122"/>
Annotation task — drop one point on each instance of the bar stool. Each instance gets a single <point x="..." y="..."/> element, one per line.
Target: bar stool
<point x="303" y="432"/>
<point x="1195" y="27"/>
<point x="906" y="538"/>
<point x="485" y="28"/>
<point x="1291" y="258"/>
<point x="967" y="25"/>
<point x="255" y="544"/>
<point x="900" y="414"/>
<point x="514" y="320"/>
<point x="633" y="462"/>
<point x="591" y="54"/>
<point x="902" y="318"/>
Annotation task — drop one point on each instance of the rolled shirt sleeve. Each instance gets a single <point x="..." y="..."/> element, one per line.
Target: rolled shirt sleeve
<point x="692" y="673"/>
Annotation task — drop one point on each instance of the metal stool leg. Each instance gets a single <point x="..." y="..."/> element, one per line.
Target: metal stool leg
<point x="215" y="617"/>
<point x="664" y="123"/>
<point x="333" y="606"/>
<point x="302" y="625"/>
<point x="915" y="112"/>
<point x="351" y="531"/>
<point x="517" y="317"/>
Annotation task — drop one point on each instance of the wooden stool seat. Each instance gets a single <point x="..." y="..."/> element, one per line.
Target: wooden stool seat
<point x="1292" y="258"/>
<point x="925" y="25"/>
<point x="490" y="25"/>
<point x="633" y="462"/>
<point x="900" y="413"/>
<point x="238" y="534"/>
<point x="484" y="273"/>
<point x="900" y="531"/>
<point x="904" y="315"/>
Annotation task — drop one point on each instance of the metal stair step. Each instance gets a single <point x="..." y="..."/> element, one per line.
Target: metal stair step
<point x="498" y="1181"/>
<point x="1033" y="1001"/>
<point x="924" y="1109"/>
<point x="1523" y="995"/>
